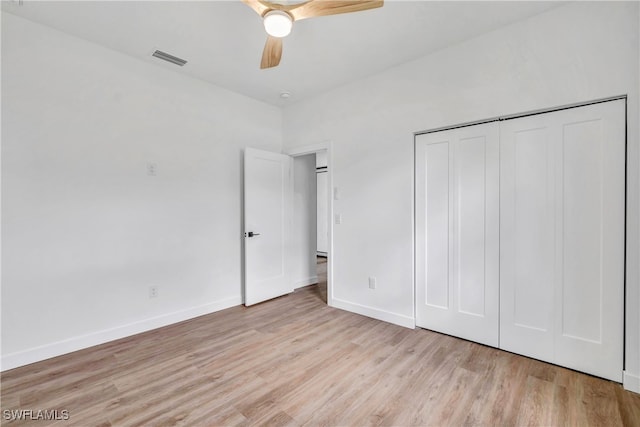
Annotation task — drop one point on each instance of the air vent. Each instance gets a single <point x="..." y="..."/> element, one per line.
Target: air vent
<point x="169" y="58"/>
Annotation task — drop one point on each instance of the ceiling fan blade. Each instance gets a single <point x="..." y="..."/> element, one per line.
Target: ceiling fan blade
<point x="314" y="8"/>
<point x="259" y="7"/>
<point x="272" y="52"/>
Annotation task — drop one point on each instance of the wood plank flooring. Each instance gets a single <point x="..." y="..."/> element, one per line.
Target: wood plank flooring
<point x="295" y="361"/>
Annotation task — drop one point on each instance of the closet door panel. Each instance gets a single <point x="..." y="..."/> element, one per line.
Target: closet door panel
<point x="589" y="318"/>
<point x="562" y="237"/>
<point x="527" y="238"/>
<point x="582" y="218"/>
<point x="437" y="225"/>
<point x="469" y="227"/>
<point x="457" y="229"/>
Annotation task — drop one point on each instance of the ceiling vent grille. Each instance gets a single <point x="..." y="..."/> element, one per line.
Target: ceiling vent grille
<point x="169" y="58"/>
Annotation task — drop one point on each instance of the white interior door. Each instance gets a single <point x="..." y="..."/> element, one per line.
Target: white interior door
<point x="268" y="195"/>
<point x="457" y="226"/>
<point x="562" y="237"/>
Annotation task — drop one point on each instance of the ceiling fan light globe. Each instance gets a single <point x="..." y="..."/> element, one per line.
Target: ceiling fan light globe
<point x="277" y="23"/>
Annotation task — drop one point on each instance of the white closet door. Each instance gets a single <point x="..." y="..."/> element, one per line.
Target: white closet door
<point x="457" y="226"/>
<point x="527" y="236"/>
<point x="562" y="237"/>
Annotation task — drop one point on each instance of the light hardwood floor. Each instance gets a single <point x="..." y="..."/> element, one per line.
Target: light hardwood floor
<point x="296" y="361"/>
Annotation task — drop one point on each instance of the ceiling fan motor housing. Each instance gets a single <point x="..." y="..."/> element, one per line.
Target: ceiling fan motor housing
<point x="278" y="23"/>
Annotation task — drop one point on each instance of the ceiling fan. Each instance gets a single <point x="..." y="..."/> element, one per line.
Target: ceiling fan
<point x="278" y="19"/>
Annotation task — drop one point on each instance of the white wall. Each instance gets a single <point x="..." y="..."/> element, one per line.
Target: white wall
<point x="85" y="230"/>
<point x="304" y="221"/>
<point x="574" y="53"/>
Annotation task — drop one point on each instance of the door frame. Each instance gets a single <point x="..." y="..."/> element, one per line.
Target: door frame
<point x="313" y="149"/>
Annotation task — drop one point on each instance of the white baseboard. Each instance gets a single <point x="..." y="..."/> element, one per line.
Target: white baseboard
<point x="385" y="316"/>
<point x="37" y="354"/>
<point x="631" y="382"/>
<point x="306" y="282"/>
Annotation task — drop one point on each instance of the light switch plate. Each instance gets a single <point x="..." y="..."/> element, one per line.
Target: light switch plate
<point x="152" y="168"/>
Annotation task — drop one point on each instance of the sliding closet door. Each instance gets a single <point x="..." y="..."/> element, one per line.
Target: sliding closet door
<point x="527" y="236"/>
<point x="562" y="237"/>
<point x="457" y="227"/>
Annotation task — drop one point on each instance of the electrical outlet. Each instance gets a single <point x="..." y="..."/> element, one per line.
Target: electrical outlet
<point x="372" y="282"/>
<point x="153" y="291"/>
<point x="338" y="219"/>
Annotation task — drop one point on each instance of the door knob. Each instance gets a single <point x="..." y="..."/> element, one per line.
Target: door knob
<point x="251" y="234"/>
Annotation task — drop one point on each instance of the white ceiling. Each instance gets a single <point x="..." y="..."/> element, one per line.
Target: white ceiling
<point x="223" y="40"/>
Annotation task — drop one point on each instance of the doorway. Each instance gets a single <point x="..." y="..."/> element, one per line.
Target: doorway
<point x="322" y="222"/>
<point x="311" y="221"/>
